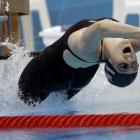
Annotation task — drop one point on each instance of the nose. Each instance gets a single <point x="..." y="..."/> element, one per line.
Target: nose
<point x="129" y="59"/>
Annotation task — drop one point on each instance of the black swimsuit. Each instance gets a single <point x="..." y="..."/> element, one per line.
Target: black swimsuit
<point x="48" y="72"/>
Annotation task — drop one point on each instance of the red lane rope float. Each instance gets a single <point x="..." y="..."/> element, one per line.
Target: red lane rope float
<point x="69" y="121"/>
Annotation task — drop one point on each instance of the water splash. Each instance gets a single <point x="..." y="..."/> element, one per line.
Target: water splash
<point x="13" y="67"/>
<point x="10" y="104"/>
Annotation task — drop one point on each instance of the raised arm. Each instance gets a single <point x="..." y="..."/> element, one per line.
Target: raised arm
<point x="87" y="39"/>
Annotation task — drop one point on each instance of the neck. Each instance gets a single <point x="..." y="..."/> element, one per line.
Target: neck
<point x="109" y="45"/>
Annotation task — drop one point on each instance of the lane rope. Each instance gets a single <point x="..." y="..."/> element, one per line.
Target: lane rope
<point x="69" y="121"/>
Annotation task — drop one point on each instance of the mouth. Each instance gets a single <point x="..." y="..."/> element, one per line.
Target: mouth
<point x="127" y="50"/>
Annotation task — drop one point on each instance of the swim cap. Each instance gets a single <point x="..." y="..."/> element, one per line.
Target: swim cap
<point x="118" y="79"/>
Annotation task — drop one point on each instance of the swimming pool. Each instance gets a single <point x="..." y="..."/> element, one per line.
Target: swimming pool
<point x="97" y="98"/>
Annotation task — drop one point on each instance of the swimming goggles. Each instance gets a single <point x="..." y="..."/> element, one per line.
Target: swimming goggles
<point x="125" y="66"/>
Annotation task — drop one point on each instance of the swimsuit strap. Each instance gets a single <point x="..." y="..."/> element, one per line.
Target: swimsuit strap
<point x="77" y="56"/>
<point x="100" y="60"/>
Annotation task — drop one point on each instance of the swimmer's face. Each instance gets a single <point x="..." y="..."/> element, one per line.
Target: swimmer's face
<point x="124" y="53"/>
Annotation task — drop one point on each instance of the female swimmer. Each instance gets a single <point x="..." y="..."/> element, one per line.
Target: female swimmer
<point x="71" y="62"/>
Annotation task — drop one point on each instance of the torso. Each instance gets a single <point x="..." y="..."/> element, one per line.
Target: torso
<point x="67" y="69"/>
<point x="54" y="69"/>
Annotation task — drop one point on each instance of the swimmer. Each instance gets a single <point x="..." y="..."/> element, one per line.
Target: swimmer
<point x="71" y="62"/>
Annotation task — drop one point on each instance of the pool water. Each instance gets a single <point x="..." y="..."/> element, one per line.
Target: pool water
<point x="109" y="133"/>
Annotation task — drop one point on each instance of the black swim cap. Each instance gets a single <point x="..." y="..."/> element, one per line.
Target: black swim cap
<point x="118" y="79"/>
